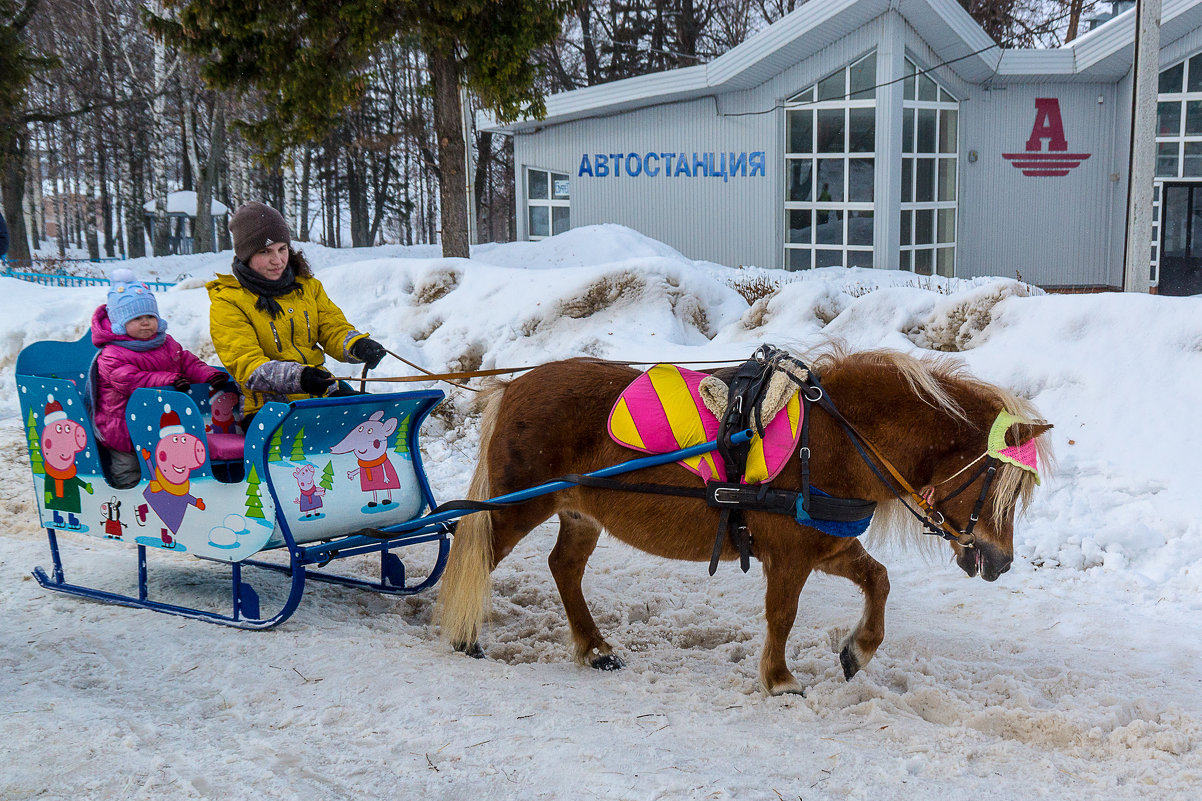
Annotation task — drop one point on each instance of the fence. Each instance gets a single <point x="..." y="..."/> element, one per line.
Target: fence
<point x="63" y="279"/>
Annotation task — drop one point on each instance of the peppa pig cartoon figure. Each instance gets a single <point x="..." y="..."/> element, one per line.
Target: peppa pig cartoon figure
<point x="310" y="498"/>
<point x="369" y="442"/>
<point x="176" y="455"/>
<point x="62" y="438"/>
<point x="222" y="404"/>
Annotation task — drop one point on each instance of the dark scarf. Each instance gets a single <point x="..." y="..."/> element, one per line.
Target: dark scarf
<point x="267" y="290"/>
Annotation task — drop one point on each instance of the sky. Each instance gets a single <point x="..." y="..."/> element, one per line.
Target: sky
<point x="1075" y="675"/>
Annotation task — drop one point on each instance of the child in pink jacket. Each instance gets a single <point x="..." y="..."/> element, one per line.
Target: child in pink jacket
<point x="136" y="352"/>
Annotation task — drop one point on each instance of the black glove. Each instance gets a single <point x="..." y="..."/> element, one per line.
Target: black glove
<point x="181" y="384"/>
<point x="316" y="381"/>
<point x="369" y="352"/>
<point x="227" y="385"/>
<point x="219" y="379"/>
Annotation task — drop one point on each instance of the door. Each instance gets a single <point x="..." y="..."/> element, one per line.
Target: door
<point x="1181" y="240"/>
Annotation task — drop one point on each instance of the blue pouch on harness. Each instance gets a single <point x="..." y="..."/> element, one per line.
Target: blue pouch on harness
<point x="835" y="528"/>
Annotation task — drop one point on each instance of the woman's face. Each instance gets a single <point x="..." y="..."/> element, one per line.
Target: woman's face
<point x="271" y="261"/>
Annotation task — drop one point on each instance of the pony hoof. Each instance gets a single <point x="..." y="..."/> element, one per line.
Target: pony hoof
<point x="472" y="649"/>
<point x="851" y="666"/>
<point x="608" y="662"/>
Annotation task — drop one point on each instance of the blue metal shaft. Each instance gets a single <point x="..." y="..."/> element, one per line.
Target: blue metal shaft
<point x="555" y="486"/>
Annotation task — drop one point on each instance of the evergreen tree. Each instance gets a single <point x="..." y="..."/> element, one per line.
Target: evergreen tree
<point x="327" y="476"/>
<point x="298" y="451"/>
<point x="273" y="447"/>
<point x="35" y="445"/>
<point x="308" y="61"/>
<point x="254" y="500"/>
<point x="402" y="435"/>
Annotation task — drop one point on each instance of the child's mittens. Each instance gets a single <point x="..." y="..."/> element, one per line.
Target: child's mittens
<point x="181" y="383"/>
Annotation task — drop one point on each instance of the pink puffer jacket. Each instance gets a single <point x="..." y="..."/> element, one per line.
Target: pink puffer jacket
<point x="121" y="371"/>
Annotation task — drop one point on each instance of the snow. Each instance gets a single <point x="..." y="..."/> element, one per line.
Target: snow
<point x="1076" y="675"/>
<point x="185" y="202"/>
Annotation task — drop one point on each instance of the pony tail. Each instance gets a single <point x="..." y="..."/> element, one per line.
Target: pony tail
<point x="466" y="590"/>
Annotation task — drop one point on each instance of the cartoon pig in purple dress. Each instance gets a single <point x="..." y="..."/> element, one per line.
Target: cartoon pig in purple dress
<point x="176" y="455"/>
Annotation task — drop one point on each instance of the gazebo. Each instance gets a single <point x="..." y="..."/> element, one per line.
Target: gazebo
<point x="181" y="211"/>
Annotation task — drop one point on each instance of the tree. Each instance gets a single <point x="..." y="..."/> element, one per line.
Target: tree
<point x="35" y="446"/>
<point x="298" y="442"/>
<point x="327" y="476"/>
<point x="254" y="499"/>
<point x="17" y="67"/>
<point x="308" y="63"/>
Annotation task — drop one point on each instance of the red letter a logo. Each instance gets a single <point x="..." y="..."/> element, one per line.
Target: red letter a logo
<point x="1047" y="126"/>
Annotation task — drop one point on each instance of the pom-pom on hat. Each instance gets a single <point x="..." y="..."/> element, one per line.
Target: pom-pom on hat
<point x="254" y="226"/>
<point x="54" y="412"/>
<point x="128" y="298"/>
<point x="169" y="424"/>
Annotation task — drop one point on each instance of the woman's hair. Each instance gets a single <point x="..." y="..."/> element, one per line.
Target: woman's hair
<point x="298" y="263"/>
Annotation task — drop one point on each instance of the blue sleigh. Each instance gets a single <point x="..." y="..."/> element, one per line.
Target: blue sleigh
<point x="311" y="476"/>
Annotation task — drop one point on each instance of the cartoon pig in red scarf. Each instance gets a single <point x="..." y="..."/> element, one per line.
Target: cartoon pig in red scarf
<point x="369" y="442"/>
<point x="62" y="438"/>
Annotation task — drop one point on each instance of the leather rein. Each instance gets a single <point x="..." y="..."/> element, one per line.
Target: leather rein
<point x="933" y="521"/>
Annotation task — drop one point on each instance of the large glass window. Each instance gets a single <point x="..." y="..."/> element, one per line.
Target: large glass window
<point x="548" y="203"/>
<point x="929" y="147"/>
<point x="1178" y="142"/>
<point x="830" y="144"/>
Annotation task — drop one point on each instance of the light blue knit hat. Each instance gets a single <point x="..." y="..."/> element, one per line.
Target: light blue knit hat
<point x="129" y="298"/>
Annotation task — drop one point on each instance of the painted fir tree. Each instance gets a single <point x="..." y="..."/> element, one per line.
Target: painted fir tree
<point x="327" y="476"/>
<point x="402" y="435"/>
<point x="35" y="445"/>
<point x="273" y="447"/>
<point x="254" y="498"/>
<point x="298" y="449"/>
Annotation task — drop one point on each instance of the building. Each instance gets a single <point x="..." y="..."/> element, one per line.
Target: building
<point x="885" y="133"/>
<point x="181" y="216"/>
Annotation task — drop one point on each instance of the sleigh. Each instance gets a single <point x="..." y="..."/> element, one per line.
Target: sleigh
<point x="296" y="494"/>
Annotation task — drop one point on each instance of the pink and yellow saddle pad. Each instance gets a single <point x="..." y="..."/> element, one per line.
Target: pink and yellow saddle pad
<point x="662" y="411"/>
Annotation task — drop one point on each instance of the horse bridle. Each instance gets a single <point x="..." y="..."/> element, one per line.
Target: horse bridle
<point x="933" y="521"/>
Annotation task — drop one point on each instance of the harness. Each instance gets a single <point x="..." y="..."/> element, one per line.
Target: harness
<point x="809" y="505"/>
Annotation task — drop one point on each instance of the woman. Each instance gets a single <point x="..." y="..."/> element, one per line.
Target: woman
<point x="271" y="321"/>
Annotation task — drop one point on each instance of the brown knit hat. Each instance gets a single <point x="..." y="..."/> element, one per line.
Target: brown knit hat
<point x="254" y="227"/>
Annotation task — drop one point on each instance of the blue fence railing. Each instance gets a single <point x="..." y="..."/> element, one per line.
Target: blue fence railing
<point x="60" y="279"/>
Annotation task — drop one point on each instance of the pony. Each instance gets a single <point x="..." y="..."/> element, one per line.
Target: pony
<point x="928" y="417"/>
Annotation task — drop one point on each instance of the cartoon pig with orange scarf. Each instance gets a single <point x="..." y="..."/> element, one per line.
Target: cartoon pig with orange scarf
<point x="369" y="442"/>
<point x="62" y="439"/>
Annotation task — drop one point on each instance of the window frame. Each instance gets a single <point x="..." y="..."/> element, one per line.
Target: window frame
<point x="550" y="202"/>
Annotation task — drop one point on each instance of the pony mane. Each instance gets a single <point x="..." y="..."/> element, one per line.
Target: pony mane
<point x="939" y="381"/>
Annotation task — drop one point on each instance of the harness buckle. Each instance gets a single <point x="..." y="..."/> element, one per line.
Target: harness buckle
<point x="727" y="495"/>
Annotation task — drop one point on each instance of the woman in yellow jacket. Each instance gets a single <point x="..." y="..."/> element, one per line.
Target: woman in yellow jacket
<point x="271" y="321"/>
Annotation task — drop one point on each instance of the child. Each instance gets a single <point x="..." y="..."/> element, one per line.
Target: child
<point x="136" y="352"/>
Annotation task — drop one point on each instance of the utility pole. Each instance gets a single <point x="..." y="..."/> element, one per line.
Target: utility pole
<point x="1142" y="169"/>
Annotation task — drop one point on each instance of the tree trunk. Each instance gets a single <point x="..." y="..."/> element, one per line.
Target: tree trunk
<point x="448" y="126"/>
<point x="483" y="178"/>
<point x="106" y="198"/>
<point x="91" y="238"/>
<point x="12" y="176"/>
<point x="302" y="233"/>
<point x="135" y="215"/>
<point x="158" y="145"/>
<point x="1074" y="19"/>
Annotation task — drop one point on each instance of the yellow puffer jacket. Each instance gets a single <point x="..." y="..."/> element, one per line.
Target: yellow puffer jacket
<point x="246" y="338"/>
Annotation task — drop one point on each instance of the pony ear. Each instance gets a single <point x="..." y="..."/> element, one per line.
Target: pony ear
<point x="1022" y="433"/>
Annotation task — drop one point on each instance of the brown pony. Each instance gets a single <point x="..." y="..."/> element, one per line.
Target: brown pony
<point x="925" y="416"/>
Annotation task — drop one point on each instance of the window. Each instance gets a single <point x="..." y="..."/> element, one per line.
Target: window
<point x="1178" y="141"/>
<point x="548" y="203"/>
<point x="930" y="119"/>
<point x="830" y="158"/>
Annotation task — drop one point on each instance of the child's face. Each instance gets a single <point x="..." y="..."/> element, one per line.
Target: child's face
<point x="143" y="327"/>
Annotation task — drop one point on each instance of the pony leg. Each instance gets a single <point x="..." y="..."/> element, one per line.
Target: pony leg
<point x="855" y="564"/>
<point x="577" y="540"/>
<point x="785" y="582"/>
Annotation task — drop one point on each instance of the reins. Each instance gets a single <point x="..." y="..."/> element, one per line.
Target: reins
<point x="453" y="378"/>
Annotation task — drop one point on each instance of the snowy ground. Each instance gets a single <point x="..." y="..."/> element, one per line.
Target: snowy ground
<point x="1074" y="676"/>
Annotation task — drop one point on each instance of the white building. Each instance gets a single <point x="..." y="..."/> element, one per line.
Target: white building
<point x="886" y="133"/>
